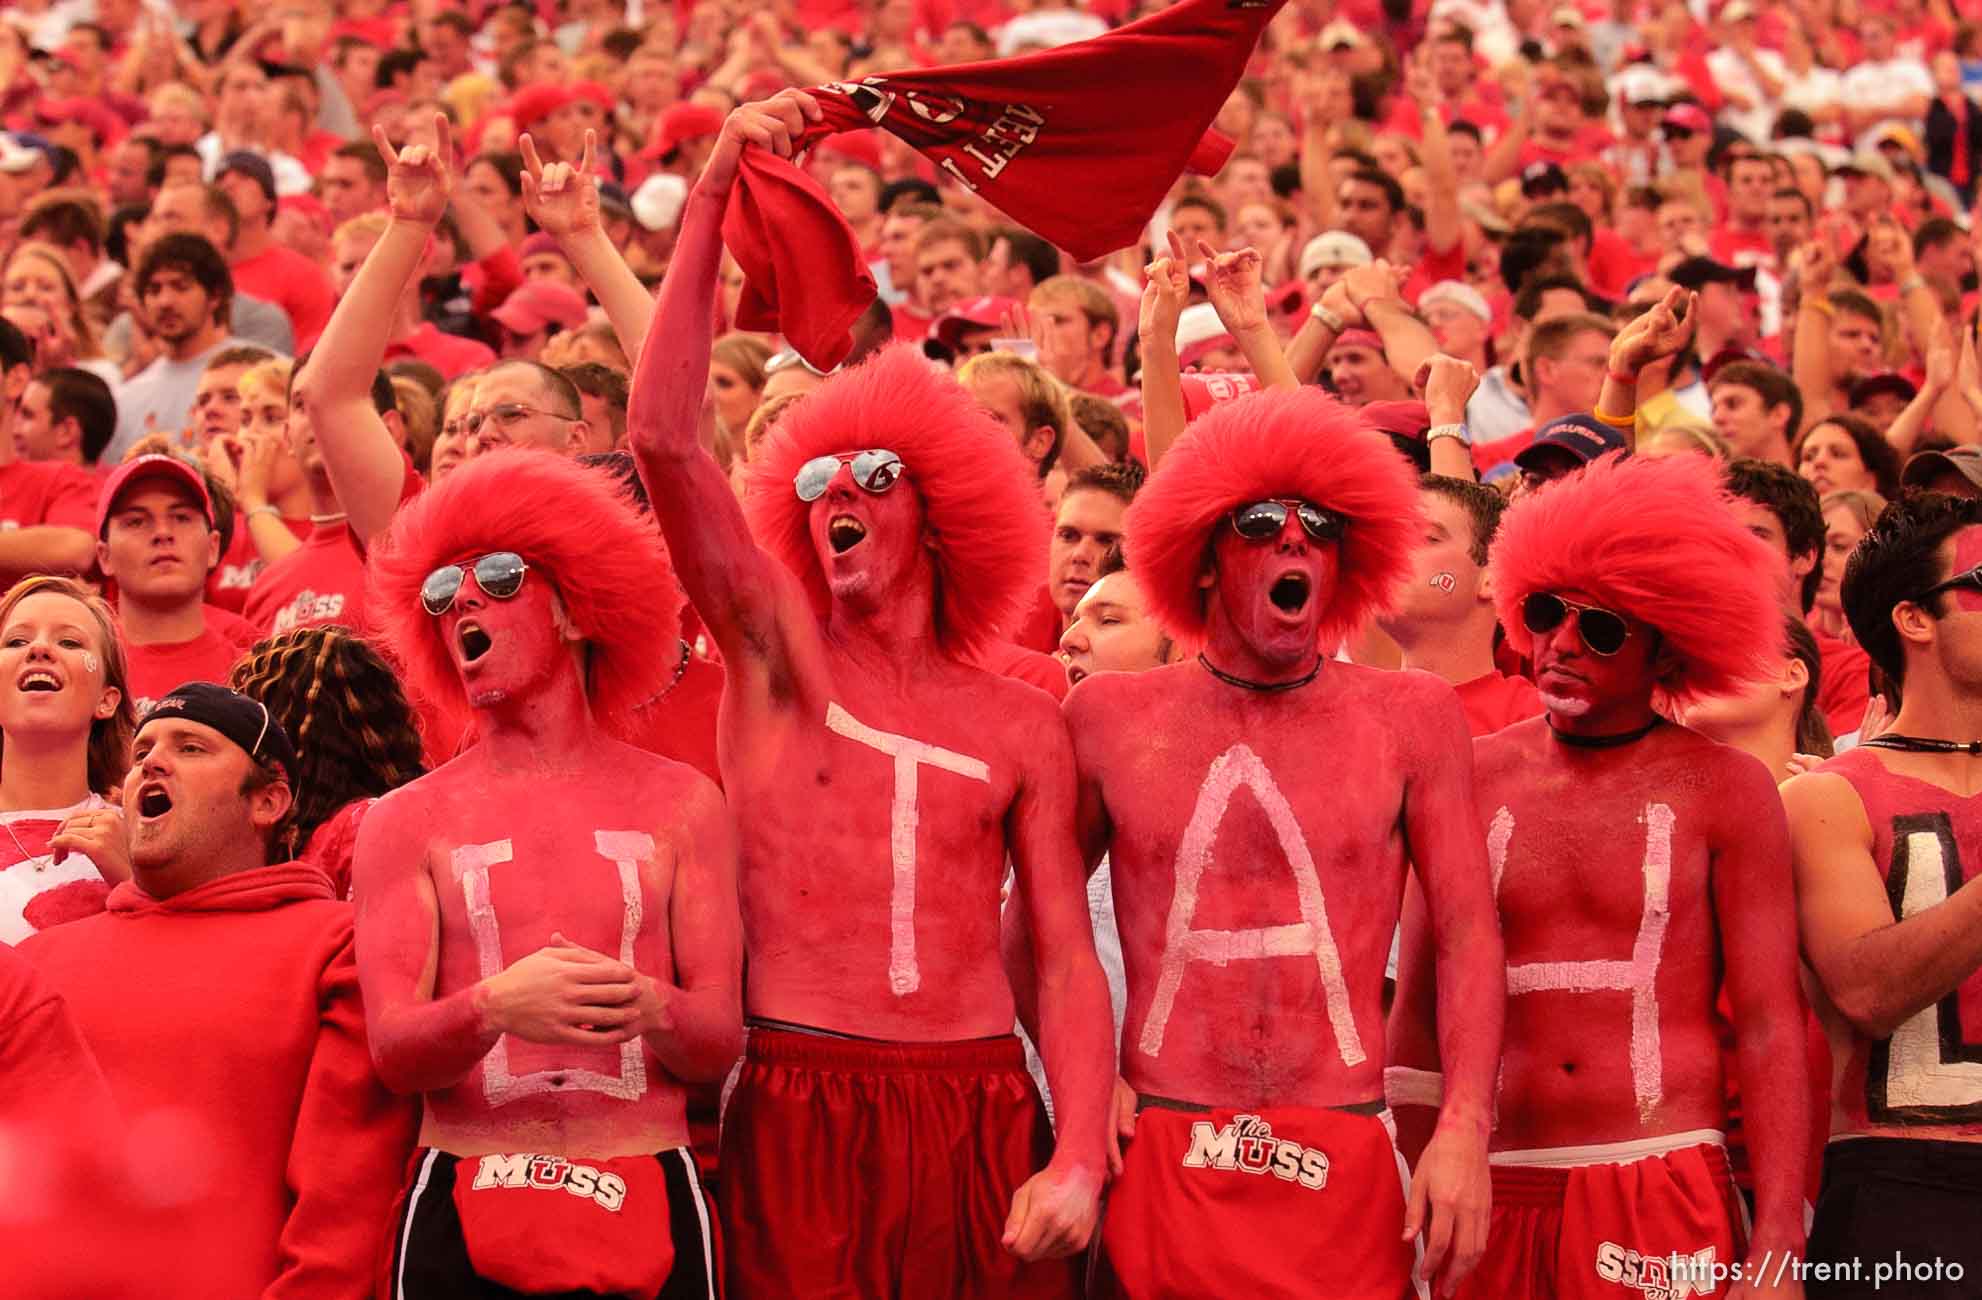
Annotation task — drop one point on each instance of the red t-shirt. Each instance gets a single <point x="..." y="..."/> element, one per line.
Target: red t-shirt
<point x="322" y="581"/>
<point x="1589" y="142"/>
<point x="292" y="282"/>
<point x="37" y="492"/>
<point x="1846" y="687"/>
<point x="1004" y="659"/>
<point x="1434" y="266"/>
<point x="208" y="657"/>
<point x="1040" y="629"/>
<point x="1493" y="701"/>
<point x="450" y="354"/>
<point x="1614" y="264"/>
<point x="1501" y="450"/>
<point x="227" y="586"/>
<point x="1733" y="246"/>
<point x="911" y="323"/>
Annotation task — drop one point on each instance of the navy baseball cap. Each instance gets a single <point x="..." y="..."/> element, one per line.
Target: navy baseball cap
<point x="247" y="722"/>
<point x="1583" y="436"/>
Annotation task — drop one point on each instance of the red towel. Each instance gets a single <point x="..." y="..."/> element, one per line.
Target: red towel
<point x="1079" y="144"/>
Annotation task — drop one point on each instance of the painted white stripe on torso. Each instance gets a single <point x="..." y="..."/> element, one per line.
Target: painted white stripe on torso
<point x="904" y="976"/>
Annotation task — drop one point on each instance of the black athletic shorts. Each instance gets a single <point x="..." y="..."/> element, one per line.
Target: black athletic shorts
<point x="430" y="1254"/>
<point x="1898" y="1217"/>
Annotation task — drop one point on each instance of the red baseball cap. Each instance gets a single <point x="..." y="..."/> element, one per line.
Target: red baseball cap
<point x="680" y="123"/>
<point x="537" y="303"/>
<point x="533" y="104"/>
<point x="1688" y="117"/>
<point x="987" y="312"/>
<point x="153" y="467"/>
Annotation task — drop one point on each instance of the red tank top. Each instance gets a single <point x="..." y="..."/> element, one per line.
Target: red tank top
<point x="1928" y="843"/>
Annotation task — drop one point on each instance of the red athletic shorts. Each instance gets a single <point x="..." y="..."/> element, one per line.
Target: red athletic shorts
<point x="1282" y="1201"/>
<point x="863" y="1169"/>
<point x="1648" y="1227"/>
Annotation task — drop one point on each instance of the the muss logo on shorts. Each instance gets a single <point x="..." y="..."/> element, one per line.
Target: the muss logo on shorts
<point x="1658" y="1277"/>
<point x="550" y="1173"/>
<point x="1247" y="1145"/>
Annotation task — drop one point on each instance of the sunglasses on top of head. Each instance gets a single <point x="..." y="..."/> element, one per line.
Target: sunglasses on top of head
<point x="1603" y="632"/>
<point x="1262" y="521"/>
<point x="499" y="575"/>
<point x="875" y="470"/>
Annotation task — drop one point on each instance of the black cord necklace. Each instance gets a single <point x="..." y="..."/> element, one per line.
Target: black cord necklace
<point x="1264" y="688"/>
<point x="1924" y="745"/>
<point x="1612" y="741"/>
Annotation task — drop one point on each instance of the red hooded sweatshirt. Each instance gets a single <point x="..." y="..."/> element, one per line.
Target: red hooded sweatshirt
<point x="230" y="1015"/>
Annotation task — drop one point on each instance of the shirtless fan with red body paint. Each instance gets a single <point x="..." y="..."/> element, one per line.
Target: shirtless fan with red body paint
<point x="547" y="925"/>
<point x="1637" y="866"/>
<point x="1259" y="807"/>
<point x="887" y="783"/>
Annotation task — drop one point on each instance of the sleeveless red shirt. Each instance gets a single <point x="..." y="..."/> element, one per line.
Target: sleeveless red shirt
<point x="1928" y="843"/>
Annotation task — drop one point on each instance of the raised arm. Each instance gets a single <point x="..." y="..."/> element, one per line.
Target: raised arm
<point x="1651" y="336"/>
<point x="1754" y="897"/>
<point x="694" y="1025"/>
<point x="734" y="586"/>
<point x="564" y="200"/>
<point x="1447" y="846"/>
<point x="1442" y="229"/>
<point x="364" y="463"/>
<point x="1164" y="295"/>
<point x="1407" y="341"/>
<point x="561" y="993"/>
<point x="1240" y="301"/>
<point x="1054" y="1212"/>
<point x="1810" y="355"/>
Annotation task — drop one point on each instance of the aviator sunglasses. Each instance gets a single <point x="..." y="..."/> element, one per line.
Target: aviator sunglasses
<point x="875" y="470"/>
<point x="1603" y="632"/>
<point x="499" y="575"/>
<point x="1969" y="578"/>
<point x="1262" y="520"/>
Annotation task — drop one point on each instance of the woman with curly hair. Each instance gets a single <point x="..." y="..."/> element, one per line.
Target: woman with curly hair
<point x="355" y="734"/>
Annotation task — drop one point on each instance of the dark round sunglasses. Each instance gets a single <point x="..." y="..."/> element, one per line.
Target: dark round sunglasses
<point x="1262" y="521"/>
<point x="1603" y="632"/>
<point x="499" y="575"/>
<point x="874" y="470"/>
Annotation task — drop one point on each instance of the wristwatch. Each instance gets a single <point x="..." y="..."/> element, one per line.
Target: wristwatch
<point x="1458" y="431"/>
<point x="1321" y="313"/>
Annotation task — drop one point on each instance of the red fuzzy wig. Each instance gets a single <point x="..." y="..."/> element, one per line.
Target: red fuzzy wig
<point x="980" y="497"/>
<point x="1659" y="540"/>
<point x="1300" y="444"/>
<point x="578" y="530"/>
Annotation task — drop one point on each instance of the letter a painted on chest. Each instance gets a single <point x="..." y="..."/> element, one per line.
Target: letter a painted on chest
<point x="904" y="977"/>
<point x="1239" y="768"/>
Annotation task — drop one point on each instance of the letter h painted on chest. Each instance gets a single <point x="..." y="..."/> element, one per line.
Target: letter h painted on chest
<point x="904" y="976"/>
<point x="1637" y="976"/>
<point x="625" y="850"/>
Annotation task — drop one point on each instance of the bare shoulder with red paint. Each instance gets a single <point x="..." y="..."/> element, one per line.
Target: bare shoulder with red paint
<point x="470" y="870"/>
<point x="1257" y="850"/>
<point x="1603" y="866"/>
<point x="875" y="843"/>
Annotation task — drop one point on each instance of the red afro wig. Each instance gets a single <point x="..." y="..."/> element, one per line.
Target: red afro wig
<point x="1296" y="444"/>
<point x="578" y="529"/>
<point x="1658" y="540"/>
<point x="980" y="497"/>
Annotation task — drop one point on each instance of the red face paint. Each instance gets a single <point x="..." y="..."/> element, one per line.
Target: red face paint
<point x="1574" y="681"/>
<point x="501" y="647"/>
<point x="1271" y="594"/>
<point x="865" y="540"/>
<point x="1967" y="555"/>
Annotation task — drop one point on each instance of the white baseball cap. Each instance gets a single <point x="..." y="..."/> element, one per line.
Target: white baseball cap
<point x="1460" y="294"/>
<point x="1333" y="248"/>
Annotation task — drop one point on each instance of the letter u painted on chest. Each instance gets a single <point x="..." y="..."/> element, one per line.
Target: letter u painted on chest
<point x="625" y="850"/>
<point x="904" y="976"/>
<point x="1638" y="975"/>
<point x="1235" y="769"/>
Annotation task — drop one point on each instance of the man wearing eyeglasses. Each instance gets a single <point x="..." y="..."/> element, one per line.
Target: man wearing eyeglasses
<point x="1638" y="868"/>
<point x="548" y="934"/>
<point x="1258" y="803"/>
<point x="889" y="526"/>
<point x="524" y="404"/>
<point x="1887" y="841"/>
